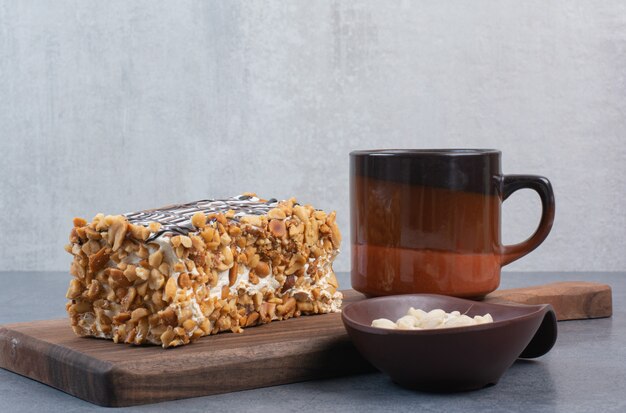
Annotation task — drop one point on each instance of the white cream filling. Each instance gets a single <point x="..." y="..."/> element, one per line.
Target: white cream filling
<point x="222" y="280"/>
<point x="242" y="281"/>
<point x="196" y="311"/>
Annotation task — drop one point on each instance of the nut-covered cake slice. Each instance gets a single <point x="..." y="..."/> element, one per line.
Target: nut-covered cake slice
<point x="171" y="275"/>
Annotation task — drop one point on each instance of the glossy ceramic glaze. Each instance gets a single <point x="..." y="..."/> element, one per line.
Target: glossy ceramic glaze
<point x="428" y="221"/>
<point x="452" y="359"/>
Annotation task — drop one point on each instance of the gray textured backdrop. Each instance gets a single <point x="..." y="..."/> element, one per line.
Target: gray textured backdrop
<point x="114" y="106"/>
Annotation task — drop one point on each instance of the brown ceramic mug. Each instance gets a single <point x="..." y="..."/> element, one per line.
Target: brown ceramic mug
<point x="428" y="221"/>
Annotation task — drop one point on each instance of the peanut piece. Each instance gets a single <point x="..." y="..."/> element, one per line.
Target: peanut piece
<point x="225" y="292"/>
<point x="232" y="274"/>
<point x="156" y="280"/>
<point x="139" y="232"/>
<point x="254" y="260"/>
<point x="77" y="270"/>
<point x="228" y="256"/>
<point x="267" y="311"/>
<point x="79" y="222"/>
<point x="157" y="299"/>
<point x="311" y="233"/>
<point x="117" y="232"/>
<point x="170" y="289"/>
<point x="252" y="319"/>
<point x="207" y="234"/>
<point x="74" y="290"/>
<point x="93" y="291"/>
<point x="142" y="289"/>
<point x="198" y="220"/>
<point x="92" y="234"/>
<point x="184" y="281"/>
<point x="185" y="241"/>
<point x="223" y="323"/>
<point x="286" y="309"/>
<point x="276" y="213"/>
<point x="293" y="268"/>
<point x="197" y="243"/>
<point x="142" y="331"/>
<point x="305" y="307"/>
<point x="225" y="239"/>
<point x="169" y="317"/>
<point x="189" y="324"/>
<point x="81" y="307"/>
<point x="290" y="281"/>
<point x="262" y="269"/>
<point x="277" y="228"/>
<point x="156" y="258"/>
<point x="257" y="299"/>
<point x="116" y="278"/>
<point x="301" y="213"/>
<point x="154" y="226"/>
<point x="138" y="314"/>
<point x="185" y="315"/>
<point x="205" y="326"/>
<point x="167" y="336"/>
<point x="296" y="229"/>
<point x="121" y="318"/>
<point x="234" y="231"/>
<point x="98" y="260"/>
<point x="128" y="299"/>
<point x="142" y="273"/>
<point x="254" y="220"/>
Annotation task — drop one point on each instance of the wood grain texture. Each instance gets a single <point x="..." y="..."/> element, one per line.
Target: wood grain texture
<point x="111" y="374"/>
<point x="572" y="300"/>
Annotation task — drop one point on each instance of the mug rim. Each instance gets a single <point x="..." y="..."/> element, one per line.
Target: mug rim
<point x="447" y="152"/>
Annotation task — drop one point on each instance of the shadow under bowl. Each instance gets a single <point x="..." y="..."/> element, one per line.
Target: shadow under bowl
<point x="449" y="359"/>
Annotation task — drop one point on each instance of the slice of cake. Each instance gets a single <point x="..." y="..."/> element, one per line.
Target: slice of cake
<point x="171" y="275"/>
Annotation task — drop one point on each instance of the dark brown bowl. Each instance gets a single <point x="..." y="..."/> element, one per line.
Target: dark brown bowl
<point x="449" y="359"/>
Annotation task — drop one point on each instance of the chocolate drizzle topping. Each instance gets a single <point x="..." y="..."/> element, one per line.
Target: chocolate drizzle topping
<point x="176" y="219"/>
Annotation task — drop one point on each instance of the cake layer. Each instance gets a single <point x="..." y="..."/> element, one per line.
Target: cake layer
<point x="171" y="275"/>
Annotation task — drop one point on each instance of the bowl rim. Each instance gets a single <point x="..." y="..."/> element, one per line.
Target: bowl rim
<point x="535" y="309"/>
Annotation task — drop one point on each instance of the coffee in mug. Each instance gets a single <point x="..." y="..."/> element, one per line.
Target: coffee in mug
<point x="428" y="221"/>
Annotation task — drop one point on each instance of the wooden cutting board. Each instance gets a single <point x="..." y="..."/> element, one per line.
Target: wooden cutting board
<point x="571" y="300"/>
<point x="109" y="374"/>
<point x="306" y="348"/>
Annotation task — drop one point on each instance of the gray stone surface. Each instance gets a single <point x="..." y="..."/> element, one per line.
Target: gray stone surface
<point x="114" y="106"/>
<point x="584" y="372"/>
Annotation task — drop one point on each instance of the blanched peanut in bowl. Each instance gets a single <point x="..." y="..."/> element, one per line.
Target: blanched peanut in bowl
<point x="417" y="319"/>
<point x="460" y="321"/>
<point x="417" y="313"/>
<point x="408" y="322"/>
<point x="384" y="323"/>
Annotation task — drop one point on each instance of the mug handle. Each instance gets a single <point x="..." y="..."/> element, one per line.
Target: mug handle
<point x="541" y="185"/>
